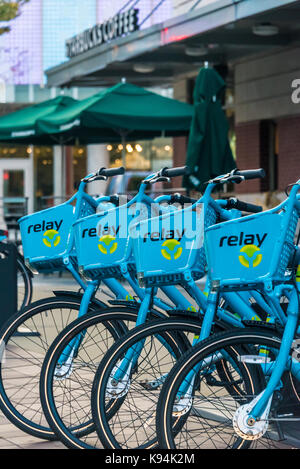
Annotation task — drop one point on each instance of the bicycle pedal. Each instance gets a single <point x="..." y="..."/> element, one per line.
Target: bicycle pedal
<point x="130" y="303"/>
<point x="263" y="324"/>
<point x="183" y="312"/>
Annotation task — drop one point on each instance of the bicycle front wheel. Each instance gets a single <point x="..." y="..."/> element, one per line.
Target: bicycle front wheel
<point x="132" y="374"/>
<point x="214" y="415"/>
<point x="66" y="398"/>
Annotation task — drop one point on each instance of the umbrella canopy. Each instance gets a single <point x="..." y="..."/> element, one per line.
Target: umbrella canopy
<point x="209" y="153"/>
<point x="122" y="111"/>
<point x="20" y="126"/>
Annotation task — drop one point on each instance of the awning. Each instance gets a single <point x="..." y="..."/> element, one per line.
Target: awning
<point x="218" y="33"/>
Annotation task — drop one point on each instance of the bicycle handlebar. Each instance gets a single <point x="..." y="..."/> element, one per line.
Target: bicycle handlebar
<point x="251" y="173"/>
<point x="243" y="206"/>
<point x="165" y="174"/>
<point x="103" y="174"/>
<point x="174" y="172"/>
<point x="110" y="172"/>
<point x="236" y="176"/>
<point x="181" y="199"/>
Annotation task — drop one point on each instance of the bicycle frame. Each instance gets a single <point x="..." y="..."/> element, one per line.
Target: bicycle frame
<point x="236" y="301"/>
<point x="289" y="321"/>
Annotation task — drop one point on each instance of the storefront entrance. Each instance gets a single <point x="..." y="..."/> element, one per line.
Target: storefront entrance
<point x="16" y="190"/>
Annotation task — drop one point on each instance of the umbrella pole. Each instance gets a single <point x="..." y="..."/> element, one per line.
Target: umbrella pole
<point x="123" y="135"/>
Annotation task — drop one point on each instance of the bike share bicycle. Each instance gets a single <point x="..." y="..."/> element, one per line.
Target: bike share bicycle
<point x="65" y="428"/>
<point x="134" y="425"/>
<point x="111" y="255"/>
<point x="48" y="242"/>
<point x="264" y="359"/>
<point x="48" y="247"/>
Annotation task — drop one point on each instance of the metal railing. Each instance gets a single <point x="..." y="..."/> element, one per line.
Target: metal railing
<point x="11" y="209"/>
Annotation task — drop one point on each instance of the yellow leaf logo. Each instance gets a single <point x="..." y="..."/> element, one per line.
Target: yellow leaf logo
<point x="171" y="249"/>
<point x="51" y="238"/>
<point x="107" y="244"/>
<point x="251" y="256"/>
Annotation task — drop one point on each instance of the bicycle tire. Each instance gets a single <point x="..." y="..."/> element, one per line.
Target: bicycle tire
<point x="75" y="433"/>
<point x="210" y="426"/>
<point x="140" y="401"/>
<point x="24" y="276"/>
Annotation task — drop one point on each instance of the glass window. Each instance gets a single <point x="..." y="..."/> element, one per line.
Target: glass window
<point x="79" y="164"/>
<point x="148" y="155"/>
<point x="13" y="183"/>
<point x="43" y="173"/>
<point x="15" y="151"/>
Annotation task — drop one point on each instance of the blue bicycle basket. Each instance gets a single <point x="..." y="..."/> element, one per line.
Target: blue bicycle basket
<point x="102" y="244"/>
<point x="168" y="249"/>
<point x="253" y="249"/>
<point x="47" y="236"/>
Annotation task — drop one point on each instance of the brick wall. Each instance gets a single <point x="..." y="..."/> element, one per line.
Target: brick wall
<point x="179" y="157"/>
<point x="289" y="151"/>
<point x="248" y="153"/>
<point x="252" y="152"/>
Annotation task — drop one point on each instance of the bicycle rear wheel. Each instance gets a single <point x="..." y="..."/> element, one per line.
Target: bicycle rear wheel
<point x="213" y="414"/>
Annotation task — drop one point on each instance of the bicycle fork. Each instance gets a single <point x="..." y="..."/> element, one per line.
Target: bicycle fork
<point x="251" y="420"/>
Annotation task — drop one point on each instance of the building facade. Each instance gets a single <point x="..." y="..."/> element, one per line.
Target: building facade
<point x="35" y="43"/>
<point x="253" y="44"/>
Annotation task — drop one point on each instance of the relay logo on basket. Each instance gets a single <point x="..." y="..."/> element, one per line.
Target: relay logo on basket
<point x="249" y="254"/>
<point x="51" y="237"/>
<point x="242" y="238"/>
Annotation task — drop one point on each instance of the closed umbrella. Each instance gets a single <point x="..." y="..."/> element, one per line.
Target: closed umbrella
<point x="209" y="153"/>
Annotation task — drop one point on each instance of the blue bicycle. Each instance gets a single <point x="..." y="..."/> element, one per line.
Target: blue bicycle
<point x="48" y="245"/>
<point x="262" y="359"/>
<point x="74" y="425"/>
<point x="133" y="372"/>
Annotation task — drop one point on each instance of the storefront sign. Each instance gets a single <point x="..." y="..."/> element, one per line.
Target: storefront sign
<point x="120" y="25"/>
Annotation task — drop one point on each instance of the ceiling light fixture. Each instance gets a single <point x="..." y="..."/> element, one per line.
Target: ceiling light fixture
<point x="265" y="29"/>
<point x="143" y="68"/>
<point x="196" y="51"/>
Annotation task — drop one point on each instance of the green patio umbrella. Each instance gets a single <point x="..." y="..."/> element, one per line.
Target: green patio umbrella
<point x="20" y="126"/>
<point x="209" y="153"/>
<point x="122" y="112"/>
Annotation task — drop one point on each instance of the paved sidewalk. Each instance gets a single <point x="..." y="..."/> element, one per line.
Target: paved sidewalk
<point x="13" y="438"/>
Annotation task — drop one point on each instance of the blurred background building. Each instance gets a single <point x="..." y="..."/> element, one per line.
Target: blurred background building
<point x="253" y="44"/>
<point x="36" y="43"/>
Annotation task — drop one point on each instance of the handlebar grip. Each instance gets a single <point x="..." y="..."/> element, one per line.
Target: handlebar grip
<point x="174" y="172"/>
<point x="182" y="199"/>
<point x="110" y="172"/>
<point x="251" y="173"/>
<point x="244" y="206"/>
